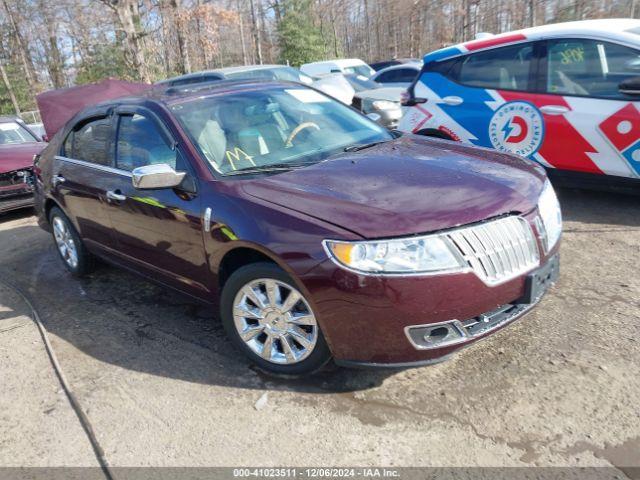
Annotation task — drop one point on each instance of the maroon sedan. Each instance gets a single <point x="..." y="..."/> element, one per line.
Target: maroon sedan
<point x="18" y="145"/>
<point x="316" y="232"/>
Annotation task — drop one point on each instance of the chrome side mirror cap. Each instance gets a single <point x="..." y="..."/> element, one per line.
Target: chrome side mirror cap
<point x="160" y="175"/>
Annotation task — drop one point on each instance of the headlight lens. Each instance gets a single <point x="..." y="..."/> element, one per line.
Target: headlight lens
<point x="549" y="209"/>
<point x="384" y="105"/>
<point x="426" y="254"/>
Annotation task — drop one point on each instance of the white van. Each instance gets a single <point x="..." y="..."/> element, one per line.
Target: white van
<point x="345" y="65"/>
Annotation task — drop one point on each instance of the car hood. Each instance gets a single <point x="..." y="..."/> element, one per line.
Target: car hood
<point x="408" y="186"/>
<point x="385" y="93"/>
<point x="19" y="156"/>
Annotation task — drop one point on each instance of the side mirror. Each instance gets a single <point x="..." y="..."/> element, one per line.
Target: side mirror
<point x="374" y="116"/>
<point x="156" y="176"/>
<point x="630" y="86"/>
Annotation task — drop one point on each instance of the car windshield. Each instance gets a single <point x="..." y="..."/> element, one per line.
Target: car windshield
<point x="361" y="83"/>
<point x="363" y="70"/>
<point x="12" y="133"/>
<point x="274" y="127"/>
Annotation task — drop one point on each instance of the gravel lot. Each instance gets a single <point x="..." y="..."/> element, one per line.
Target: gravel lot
<point x="162" y="386"/>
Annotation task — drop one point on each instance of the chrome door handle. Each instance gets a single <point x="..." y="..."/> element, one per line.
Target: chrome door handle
<point x="453" y="100"/>
<point x="118" y="197"/>
<point x="57" y="180"/>
<point x="554" y="109"/>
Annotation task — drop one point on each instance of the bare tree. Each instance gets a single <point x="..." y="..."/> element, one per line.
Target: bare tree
<point x="128" y="14"/>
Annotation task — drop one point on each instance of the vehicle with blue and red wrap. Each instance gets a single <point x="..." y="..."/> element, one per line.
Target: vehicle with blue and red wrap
<point x="565" y="95"/>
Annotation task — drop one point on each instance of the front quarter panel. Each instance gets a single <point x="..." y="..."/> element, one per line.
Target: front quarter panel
<point x="290" y="239"/>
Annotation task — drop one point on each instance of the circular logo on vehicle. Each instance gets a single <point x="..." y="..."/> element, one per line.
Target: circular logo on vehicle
<point x="516" y="127"/>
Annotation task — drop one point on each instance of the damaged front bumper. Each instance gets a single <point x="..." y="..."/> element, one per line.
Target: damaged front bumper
<point x="16" y="190"/>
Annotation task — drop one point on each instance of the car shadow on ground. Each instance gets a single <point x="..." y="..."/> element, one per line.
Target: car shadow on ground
<point x="120" y="319"/>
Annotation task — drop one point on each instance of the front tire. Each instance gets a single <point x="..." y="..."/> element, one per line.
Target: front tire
<point x="70" y="247"/>
<point x="268" y="318"/>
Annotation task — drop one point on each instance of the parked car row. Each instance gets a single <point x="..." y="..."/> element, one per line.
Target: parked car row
<point x="319" y="234"/>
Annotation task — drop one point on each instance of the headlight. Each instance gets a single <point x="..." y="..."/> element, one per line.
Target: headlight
<point x="427" y="254"/>
<point x="384" y="105"/>
<point x="551" y="215"/>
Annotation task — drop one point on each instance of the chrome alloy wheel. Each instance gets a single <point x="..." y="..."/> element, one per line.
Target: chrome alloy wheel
<point x="275" y="321"/>
<point x="65" y="243"/>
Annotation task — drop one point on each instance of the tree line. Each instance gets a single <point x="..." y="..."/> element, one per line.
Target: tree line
<point x="48" y="44"/>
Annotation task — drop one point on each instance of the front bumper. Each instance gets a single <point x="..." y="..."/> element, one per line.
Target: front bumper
<point x="382" y="321"/>
<point x="14" y="197"/>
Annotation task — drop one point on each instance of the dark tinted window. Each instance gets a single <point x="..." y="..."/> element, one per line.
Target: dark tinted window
<point x="140" y="143"/>
<point x="589" y="67"/>
<point x="91" y="142"/>
<point x="506" y="68"/>
<point x="397" y="75"/>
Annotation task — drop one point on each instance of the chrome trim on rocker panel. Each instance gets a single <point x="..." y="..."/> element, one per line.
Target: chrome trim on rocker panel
<point x="95" y="166"/>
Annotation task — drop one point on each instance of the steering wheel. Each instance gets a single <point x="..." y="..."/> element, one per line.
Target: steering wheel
<point x="297" y="130"/>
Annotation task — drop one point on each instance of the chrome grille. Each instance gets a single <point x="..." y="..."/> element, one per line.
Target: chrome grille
<point x="499" y="250"/>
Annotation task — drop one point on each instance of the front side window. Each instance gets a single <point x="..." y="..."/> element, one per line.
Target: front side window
<point x="589" y="67"/>
<point x="140" y="143"/>
<point x="505" y="68"/>
<point x="12" y="133"/>
<point x="91" y="142"/>
<point x="276" y="125"/>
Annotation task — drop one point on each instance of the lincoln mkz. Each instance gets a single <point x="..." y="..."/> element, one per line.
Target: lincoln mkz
<point x="315" y="232"/>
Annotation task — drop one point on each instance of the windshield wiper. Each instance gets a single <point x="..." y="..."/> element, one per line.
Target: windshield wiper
<point x="361" y="146"/>
<point x="275" y="167"/>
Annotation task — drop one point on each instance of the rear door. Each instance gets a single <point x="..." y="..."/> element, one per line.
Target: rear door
<point x="590" y="125"/>
<point x="82" y="174"/>
<point x="160" y="230"/>
<point x="466" y="97"/>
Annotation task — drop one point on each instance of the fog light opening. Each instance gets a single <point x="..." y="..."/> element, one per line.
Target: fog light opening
<point x="438" y="334"/>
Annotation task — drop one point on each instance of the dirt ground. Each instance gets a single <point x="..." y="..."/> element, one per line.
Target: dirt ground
<point x="162" y="386"/>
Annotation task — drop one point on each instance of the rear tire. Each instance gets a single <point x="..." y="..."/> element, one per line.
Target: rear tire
<point x="268" y="318"/>
<point x="71" y="248"/>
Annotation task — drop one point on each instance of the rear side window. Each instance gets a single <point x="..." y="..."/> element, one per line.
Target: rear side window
<point x="91" y="142"/>
<point x="140" y="143"/>
<point x="584" y="67"/>
<point x="505" y="68"/>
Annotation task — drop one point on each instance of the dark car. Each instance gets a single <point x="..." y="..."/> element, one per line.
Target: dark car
<point x="315" y="232"/>
<point x="18" y="145"/>
<point x="377" y="66"/>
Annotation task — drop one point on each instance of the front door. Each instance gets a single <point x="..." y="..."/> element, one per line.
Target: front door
<point x="590" y="125"/>
<point x="158" y="230"/>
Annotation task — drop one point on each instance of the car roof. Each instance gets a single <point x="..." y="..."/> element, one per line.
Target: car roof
<point x="6" y="118"/>
<point x="247" y="68"/>
<point x="610" y="29"/>
<point x="172" y="95"/>
<point x="342" y="62"/>
<point x="411" y="65"/>
<point x="220" y="71"/>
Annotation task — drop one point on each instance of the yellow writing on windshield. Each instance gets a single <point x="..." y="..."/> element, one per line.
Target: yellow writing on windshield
<point x="238" y="154"/>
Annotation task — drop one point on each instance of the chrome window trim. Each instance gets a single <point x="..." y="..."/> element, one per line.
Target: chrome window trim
<point x="95" y="166"/>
